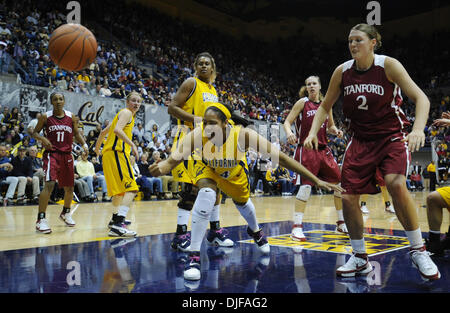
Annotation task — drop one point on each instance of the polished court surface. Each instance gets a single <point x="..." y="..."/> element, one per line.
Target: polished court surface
<point x="83" y="259"/>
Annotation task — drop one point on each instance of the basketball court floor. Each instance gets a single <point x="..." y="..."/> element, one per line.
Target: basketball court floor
<point x="83" y="259"/>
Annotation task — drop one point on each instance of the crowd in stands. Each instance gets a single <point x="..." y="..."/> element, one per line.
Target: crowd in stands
<point x="154" y="57"/>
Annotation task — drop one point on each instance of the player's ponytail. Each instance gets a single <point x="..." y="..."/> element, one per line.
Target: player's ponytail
<point x="225" y="112"/>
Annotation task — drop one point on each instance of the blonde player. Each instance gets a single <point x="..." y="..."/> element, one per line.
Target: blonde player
<point x="119" y="176"/>
<point x="320" y="162"/>
<point x="221" y="164"/>
<point x="188" y="106"/>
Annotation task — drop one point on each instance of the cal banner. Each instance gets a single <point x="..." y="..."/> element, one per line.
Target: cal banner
<point x="334" y="242"/>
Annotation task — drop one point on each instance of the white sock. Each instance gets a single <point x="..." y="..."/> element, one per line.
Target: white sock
<point x="415" y="238"/>
<point x="298" y="217"/>
<point x="248" y="213"/>
<point x="123" y="210"/>
<point x="183" y="217"/>
<point x="340" y="214"/>
<point x="215" y="213"/>
<point x="201" y="213"/>
<point x="358" y="246"/>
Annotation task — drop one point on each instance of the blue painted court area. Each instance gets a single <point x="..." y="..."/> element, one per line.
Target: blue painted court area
<point x="148" y="265"/>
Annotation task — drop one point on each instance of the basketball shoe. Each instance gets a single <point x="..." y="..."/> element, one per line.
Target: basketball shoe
<point x="67" y="218"/>
<point x="341" y="227"/>
<point x="219" y="238"/>
<point x="119" y="229"/>
<point x="297" y="233"/>
<point x="364" y="208"/>
<point x="422" y="261"/>
<point x="111" y="222"/>
<point x="181" y="242"/>
<point x="358" y="264"/>
<point x="42" y="226"/>
<point x="260" y="239"/>
<point x="389" y="207"/>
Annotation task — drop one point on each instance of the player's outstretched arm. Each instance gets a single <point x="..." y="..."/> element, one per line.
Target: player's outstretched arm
<point x="263" y="146"/>
<point x="181" y="153"/>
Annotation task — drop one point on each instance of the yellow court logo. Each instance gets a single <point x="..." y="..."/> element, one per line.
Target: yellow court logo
<point x="330" y="241"/>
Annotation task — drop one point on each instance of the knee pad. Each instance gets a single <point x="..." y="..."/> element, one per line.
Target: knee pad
<point x="338" y="194"/>
<point x="304" y="192"/>
<point x="204" y="204"/>
<point x="188" y="196"/>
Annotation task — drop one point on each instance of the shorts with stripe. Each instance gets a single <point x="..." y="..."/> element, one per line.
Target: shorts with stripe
<point x="58" y="167"/>
<point x="118" y="173"/>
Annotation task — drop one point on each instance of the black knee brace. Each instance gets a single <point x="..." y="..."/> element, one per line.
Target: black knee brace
<point x="188" y="196"/>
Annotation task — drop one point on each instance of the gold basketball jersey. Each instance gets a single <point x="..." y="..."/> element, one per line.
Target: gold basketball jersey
<point x="201" y="96"/>
<point x="228" y="159"/>
<point x="113" y="142"/>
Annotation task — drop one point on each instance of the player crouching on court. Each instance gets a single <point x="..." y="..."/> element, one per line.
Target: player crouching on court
<point x="221" y="164"/>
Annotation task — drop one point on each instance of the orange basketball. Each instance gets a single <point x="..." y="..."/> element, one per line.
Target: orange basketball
<point x="72" y="47"/>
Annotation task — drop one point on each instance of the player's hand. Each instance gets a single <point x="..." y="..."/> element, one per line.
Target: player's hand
<point x="97" y="151"/>
<point x="336" y="131"/>
<point x="292" y="139"/>
<point x="415" y="139"/>
<point x="445" y="115"/>
<point x="135" y="152"/>
<point x="311" y="142"/>
<point x="86" y="148"/>
<point x="47" y="144"/>
<point x="159" y="169"/>
<point x="330" y="187"/>
<point x="442" y="122"/>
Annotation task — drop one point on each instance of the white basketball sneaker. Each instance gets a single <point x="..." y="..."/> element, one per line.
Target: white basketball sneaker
<point x="422" y="261"/>
<point x="389" y="208"/>
<point x="364" y="209"/>
<point x="341" y="227"/>
<point x="67" y="218"/>
<point x="42" y="226"/>
<point x="297" y="233"/>
<point x="358" y="264"/>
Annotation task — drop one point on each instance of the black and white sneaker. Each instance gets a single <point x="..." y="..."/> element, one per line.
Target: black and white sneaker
<point x="260" y="240"/>
<point x="120" y="230"/>
<point x="111" y="222"/>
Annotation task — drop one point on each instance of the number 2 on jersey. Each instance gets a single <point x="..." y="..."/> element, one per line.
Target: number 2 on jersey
<point x="363" y="105"/>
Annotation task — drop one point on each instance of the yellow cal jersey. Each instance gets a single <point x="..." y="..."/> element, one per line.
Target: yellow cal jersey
<point x="113" y="142"/>
<point x="199" y="99"/>
<point x="226" y="165"/>
<point x="117" y="169"/>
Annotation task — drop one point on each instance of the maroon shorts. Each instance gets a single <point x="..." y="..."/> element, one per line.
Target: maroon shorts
<point x="59" y="167"/>
<point x="379" y="178"/>
<point x="319" y="162"/>
<point x="362" y="159"/>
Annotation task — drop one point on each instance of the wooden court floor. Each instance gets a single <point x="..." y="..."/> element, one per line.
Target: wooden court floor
<point x="17" y="227"/>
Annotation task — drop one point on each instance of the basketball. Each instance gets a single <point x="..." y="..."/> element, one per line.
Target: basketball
<point x="72" y="47"/>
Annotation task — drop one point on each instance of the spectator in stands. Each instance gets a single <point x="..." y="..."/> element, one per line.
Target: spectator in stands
<point x="36" y="162"/>
<point x="166" y="179"/>
<point x="23" y="170"/>
<point x="416" y="181"/>
<point x="139" y="132"/>
<point x="142" y="181"/>
<point x="86" y="171"/>
<point x="284" y="179"/>
<point x="143" y="165"/>
<point x="6" y="176"/>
